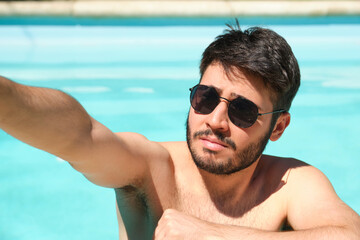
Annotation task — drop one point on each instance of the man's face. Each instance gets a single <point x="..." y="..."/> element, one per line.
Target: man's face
<point x="216" y="144"/>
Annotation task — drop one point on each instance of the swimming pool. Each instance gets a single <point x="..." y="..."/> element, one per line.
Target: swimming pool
<point x="134" y="75"/>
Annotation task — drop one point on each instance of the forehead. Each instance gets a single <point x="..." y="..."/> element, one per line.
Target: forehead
<point x="237" y="82"/>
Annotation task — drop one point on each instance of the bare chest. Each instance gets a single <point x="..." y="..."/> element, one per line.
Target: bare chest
<point x="265" y="214"/>
<point x="141" y="211"/>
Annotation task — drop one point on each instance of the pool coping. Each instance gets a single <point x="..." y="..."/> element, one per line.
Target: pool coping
<point x="183" y="8"/>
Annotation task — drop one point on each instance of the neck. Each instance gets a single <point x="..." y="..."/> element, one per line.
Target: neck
<point x="230" y="187"/>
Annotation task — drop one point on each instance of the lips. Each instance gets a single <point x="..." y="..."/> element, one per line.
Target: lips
<point x="213" y="144"/>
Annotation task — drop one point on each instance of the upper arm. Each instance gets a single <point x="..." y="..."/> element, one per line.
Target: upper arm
<point x="114" y="159"/>
<point x="312" y="202"/>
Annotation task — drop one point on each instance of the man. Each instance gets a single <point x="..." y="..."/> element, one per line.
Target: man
<point x="217" y="185"/>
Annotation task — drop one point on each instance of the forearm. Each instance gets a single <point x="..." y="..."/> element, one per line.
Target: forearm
<point x="177" y="225"/>
<point x="44" y="118"/>
<point x="320" y="233"/>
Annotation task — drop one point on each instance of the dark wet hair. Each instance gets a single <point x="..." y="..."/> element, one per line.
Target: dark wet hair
<point x="259" y="51"/>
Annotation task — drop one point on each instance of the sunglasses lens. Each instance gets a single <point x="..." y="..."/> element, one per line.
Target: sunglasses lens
<point x="204" y="99"/>
<point x="242" y="112"/>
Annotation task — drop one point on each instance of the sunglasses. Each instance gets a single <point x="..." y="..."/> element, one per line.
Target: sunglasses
<point x="241" y="111"/>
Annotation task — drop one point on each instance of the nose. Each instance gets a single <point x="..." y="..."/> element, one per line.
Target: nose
<point x="218" y="119"/>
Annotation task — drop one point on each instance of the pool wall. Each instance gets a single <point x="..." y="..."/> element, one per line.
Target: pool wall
<point x="177" y="8"/>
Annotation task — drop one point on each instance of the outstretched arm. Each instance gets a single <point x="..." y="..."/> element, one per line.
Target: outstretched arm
<point x="44" y="118"/>
<point x="314" y="211"/>
<point x="53" y="121"/>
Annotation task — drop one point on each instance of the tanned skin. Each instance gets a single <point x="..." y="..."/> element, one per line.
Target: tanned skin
<point x="160" y="191"/>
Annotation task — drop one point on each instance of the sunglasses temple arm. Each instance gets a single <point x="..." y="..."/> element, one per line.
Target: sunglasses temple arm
<point x="277" y="111"/>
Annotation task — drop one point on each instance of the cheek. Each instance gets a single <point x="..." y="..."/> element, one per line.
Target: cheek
<point x="252" y="135"/>
<point x="241" y="140"/>
<point x="190" y="122"/>
<point x="243" y="136"/>
<point x="193" y="119"/>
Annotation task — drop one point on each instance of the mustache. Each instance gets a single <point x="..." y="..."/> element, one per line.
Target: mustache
<point x="218" y="135"/>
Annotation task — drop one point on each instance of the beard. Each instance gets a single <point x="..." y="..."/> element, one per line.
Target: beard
<point x="242" y="158"/>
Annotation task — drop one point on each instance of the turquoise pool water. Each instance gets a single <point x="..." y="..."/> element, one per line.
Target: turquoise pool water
<point x="134" y="75"/>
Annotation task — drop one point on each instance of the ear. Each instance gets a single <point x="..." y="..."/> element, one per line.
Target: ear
<point x="281" y="124"/>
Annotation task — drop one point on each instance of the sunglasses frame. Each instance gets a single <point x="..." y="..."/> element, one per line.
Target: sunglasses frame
<point x="229" y="101"/>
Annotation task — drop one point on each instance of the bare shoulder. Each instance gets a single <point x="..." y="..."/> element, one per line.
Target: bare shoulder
<point x="142" y="146"/>
<point x="283" y="162"/>
<point x="300" y="175"/>
<point x="175" y="148"/>
<point x="296" y="174"/>
<point x="278" y="169"/>
<point x="178" y="152"/>
<point x="310" y="197"/>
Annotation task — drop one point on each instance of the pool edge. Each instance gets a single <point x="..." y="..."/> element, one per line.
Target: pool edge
<point x="184" y="8"/>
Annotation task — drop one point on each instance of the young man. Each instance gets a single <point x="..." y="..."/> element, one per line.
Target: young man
<point x="217" y="185"/>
